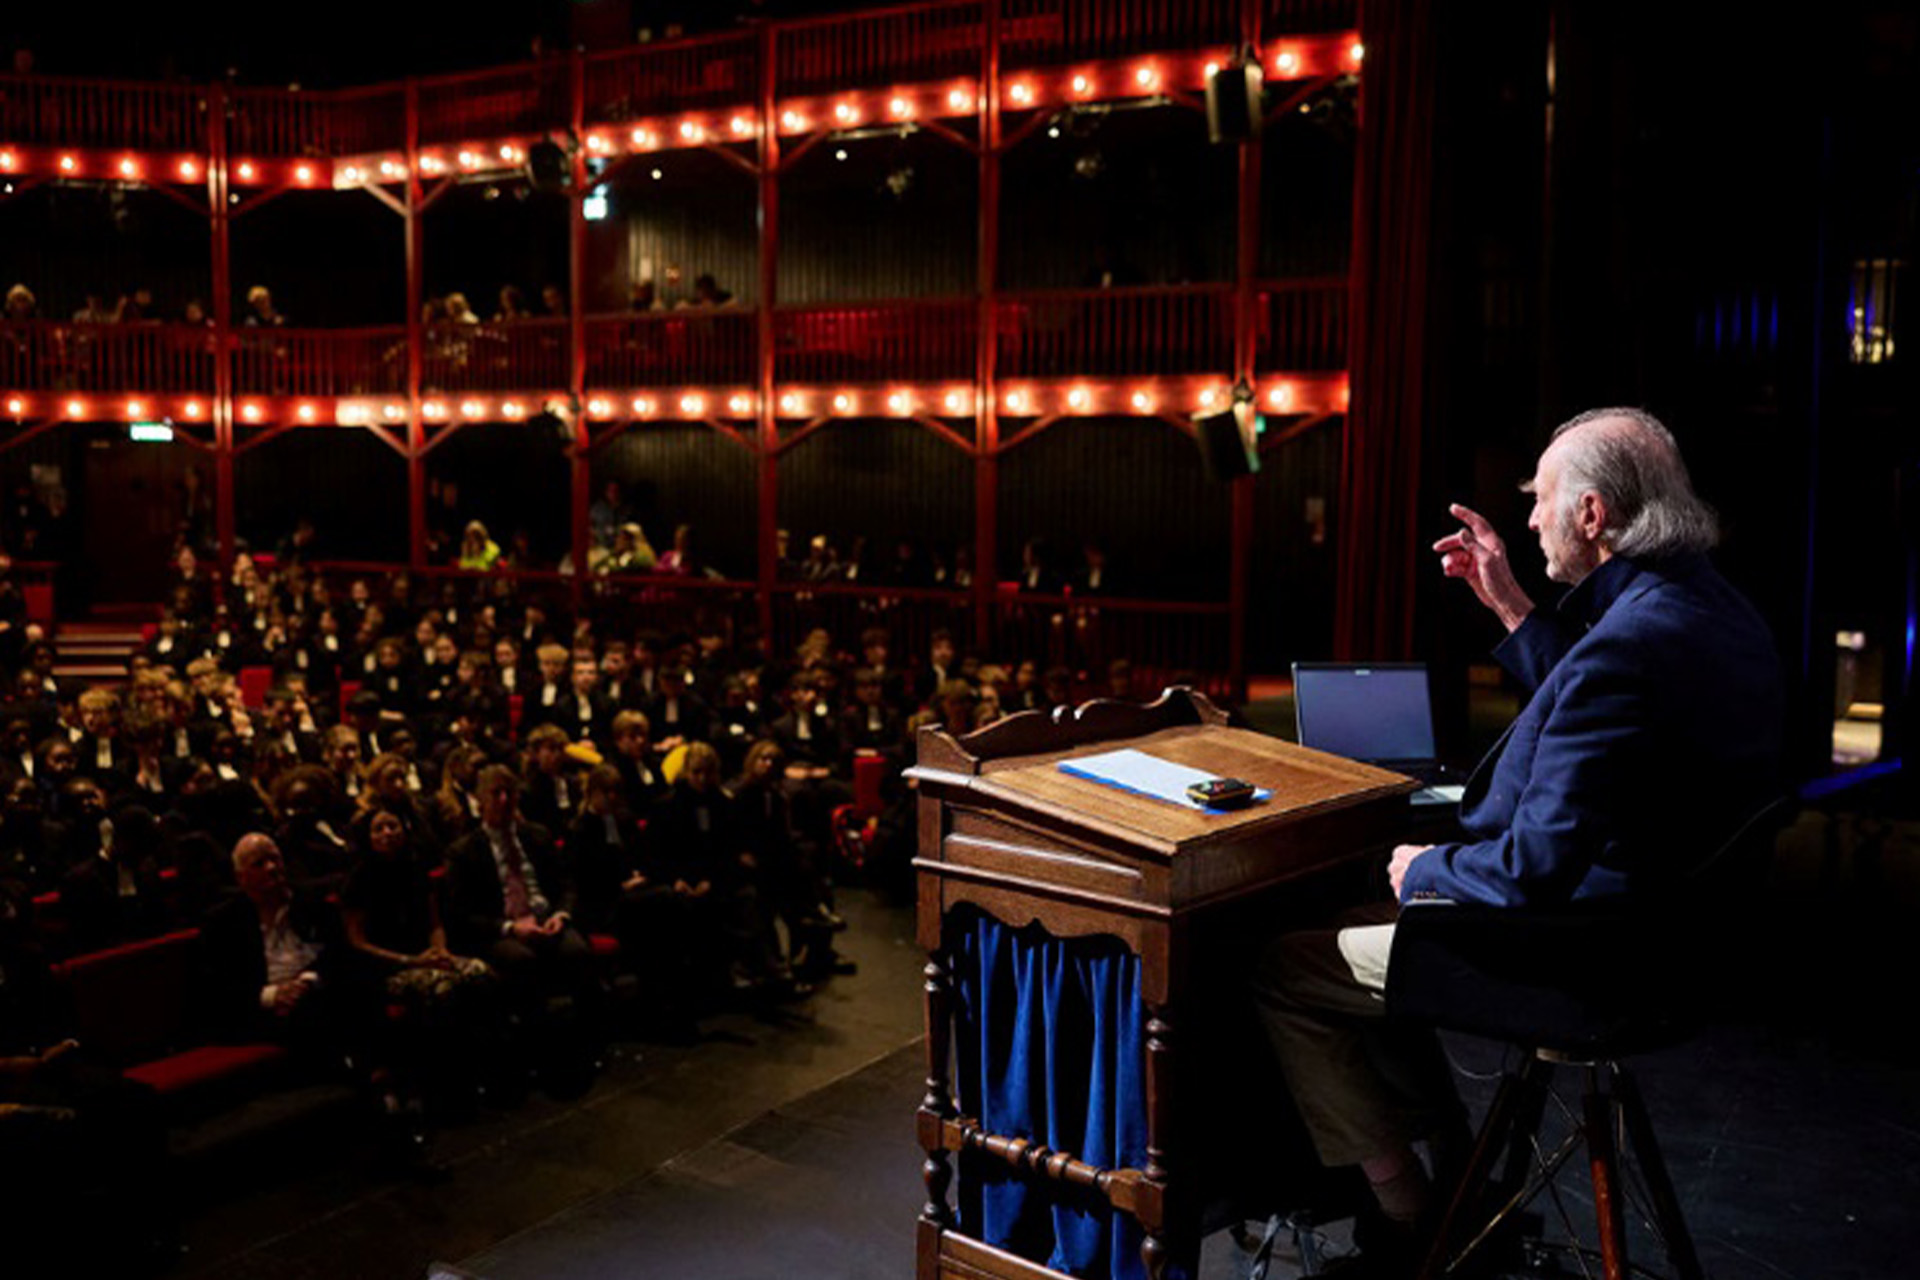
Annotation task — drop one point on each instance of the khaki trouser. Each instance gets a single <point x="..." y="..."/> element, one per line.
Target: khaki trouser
<point x="1364" y="1087"/>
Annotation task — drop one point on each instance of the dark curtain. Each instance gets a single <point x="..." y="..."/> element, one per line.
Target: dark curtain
<point x="1048" y="1038"/>
<point x="1379" y="552"/>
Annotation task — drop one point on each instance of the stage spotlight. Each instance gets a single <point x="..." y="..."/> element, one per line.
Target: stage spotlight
<point x="548" y="166"/>
<point x="1234" y="102"/>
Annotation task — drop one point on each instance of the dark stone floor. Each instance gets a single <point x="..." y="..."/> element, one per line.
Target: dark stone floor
<point x="784" y="1149"/>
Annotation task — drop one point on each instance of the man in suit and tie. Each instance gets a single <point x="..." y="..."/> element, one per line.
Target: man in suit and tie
<point x="510" y="898"/>
<point x="1653" y="730"/>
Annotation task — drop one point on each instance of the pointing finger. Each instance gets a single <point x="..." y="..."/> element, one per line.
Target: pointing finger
<point x="1474" y="521"/>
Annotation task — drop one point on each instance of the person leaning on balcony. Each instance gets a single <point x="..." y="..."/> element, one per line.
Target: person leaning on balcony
<point x="632" y="553"/>
<point x="260" y="310"/>
<point x="477" y="550"/>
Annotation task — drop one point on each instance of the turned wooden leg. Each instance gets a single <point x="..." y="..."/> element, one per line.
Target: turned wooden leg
<point x="1157" y="1249"/>
<point x="937" y="1105"/>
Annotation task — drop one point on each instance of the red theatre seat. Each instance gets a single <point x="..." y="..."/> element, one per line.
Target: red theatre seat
<point x="254" y="683"/>
<point x="209" y="1064"/>
<point x="347" y="689"/>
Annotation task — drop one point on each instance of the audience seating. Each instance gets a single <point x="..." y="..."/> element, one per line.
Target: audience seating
<point x="135" y="1004"/>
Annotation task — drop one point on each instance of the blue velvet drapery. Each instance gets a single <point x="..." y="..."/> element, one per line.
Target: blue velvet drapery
<point x="1048" y="1042"/>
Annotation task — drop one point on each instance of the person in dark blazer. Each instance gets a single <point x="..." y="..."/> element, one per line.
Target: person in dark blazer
<point x="274" y="961"/>
<point x="1653" y="730"/>
<point x="510" y="900"/>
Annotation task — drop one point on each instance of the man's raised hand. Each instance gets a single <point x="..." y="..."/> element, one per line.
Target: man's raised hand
<point x="1477" y="554"/>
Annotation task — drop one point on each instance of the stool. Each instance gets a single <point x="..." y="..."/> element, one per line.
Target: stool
<point x="1585" y="985"/>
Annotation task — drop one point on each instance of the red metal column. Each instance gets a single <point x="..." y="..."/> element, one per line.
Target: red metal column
<point x="221" y="224"/>
<point x="416" y="340"/>
<point x="986" y="399"/>
<point x="769" y="425"/>
<point x="579" y="458"/>
<point x="1245" y="355"/>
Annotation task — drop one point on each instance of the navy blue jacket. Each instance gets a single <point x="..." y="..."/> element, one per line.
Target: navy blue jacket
<point x="1653" y="732"/>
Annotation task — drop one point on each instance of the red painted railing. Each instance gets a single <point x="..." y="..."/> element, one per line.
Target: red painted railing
<point x="1302" y="325"/>
<point x="499" y="102"/>
<point x="1165" y="642"/>
<point x="59" y="112"/>
<point x="909" y="616"/>
<point x="687" y="75"/>
<point x="899" y="45"/>
<point x="47" y="356"/>
<point x="1117" y="332"/>
<point x="908" y="341"/>
<point x="274" y="122"/>
<point x="1037" y="31"/>
<point x="528" y="355"/>
<point x="320" y="362"/>
<point x="688" y="347"/>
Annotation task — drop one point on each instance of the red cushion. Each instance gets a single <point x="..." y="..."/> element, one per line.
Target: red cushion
<point x="206" y="1065"/>
<point x="604" y="944"/>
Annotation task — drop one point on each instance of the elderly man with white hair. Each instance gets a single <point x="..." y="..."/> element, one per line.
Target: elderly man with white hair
<point x="1653" y="729"/>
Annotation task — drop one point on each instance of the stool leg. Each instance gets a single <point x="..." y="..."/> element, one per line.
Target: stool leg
<point x="1653" y="1166"/>
<point x="1520" y="1095"/>
<point x="1604" y="1162"/>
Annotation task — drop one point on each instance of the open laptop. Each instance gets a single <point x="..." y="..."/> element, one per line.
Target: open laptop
<point x="1379" y="713"/>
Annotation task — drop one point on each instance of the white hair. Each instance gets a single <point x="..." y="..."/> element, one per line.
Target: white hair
<point x="1633" y="463"/>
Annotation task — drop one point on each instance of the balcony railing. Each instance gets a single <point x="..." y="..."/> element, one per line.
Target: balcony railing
<point x="43" y="355"/>
<point x="1037" y="31"/>
<point x="499" y="102"/>
<point x="906" y="341"/>
<point x="320" y="362"/>
<point x="686" y="76"/>
<point x="1302" y="325"/>
<point x="672" y="348"/>
<point x="273" y="122"/>
<point x="528" y="355"/>
<point x="60" y="112"/>
<point x="894" y="46"/>
<point x="1117" y="332"/>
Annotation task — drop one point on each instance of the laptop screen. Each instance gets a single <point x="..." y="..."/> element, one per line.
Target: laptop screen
<point x="1369" y="713"/>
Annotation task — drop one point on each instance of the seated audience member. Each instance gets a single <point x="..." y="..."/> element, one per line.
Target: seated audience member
<point x="641" y="783"/>
<point x="274" y="957"/>
<point x="116" y="895"/>
<point x="953" y="707"/>
<point x="286" y="719"/>
<point x="173" y="644"/>
<point x="583" y="714"/>
<point x="631" y="552"/>
<point x="456" y="809"/>
<point x="510" y="898"/>
<point x="1095" y="579"/>
<point x="149" y="777"/>
<point x="386" y="792"/>
<point x="700" y="858"/>
<point x="310" y="838"/>
<point x="478" y="698"/>
<point x="343" y="763"/>
<point x="870" y="724"/>
<point x="506" y="665"/>
<point x="617" y="686"/>
<point x="1056" y="688"/>
<point x="737" y="723"/>
<point x="391" y="913"/>
<point x="785" y="867"/>
<point x="625" y="891"/>
<point x="875" y="649"/>
<point x="678" y="715"/>
<point x="439" y="677"/>
<point x="16" y="746"/>
<point x="1026" y="693"/>
<point x="56" y="768"/>
<point x="940" y="667"/>
<point x="97" y="751"/>
<point x="551" y="794"/>
<point x="478" y="552"/>
<point x="1120" y="686"/>
<point x="546" y="701"/>
<point x="26" y="856"/>
<point x="391" y="681"/>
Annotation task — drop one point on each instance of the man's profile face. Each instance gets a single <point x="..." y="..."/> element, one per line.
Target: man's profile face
<point x="258" y="868"/>
<point x="1570" y="557"/>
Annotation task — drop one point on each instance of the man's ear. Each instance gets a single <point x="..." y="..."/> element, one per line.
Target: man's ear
<point x="1590" y="516"/>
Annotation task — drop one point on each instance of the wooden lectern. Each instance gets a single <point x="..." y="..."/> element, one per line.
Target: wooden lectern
<point x="1002" y="829"/>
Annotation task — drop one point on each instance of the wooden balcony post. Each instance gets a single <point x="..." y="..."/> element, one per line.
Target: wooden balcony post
<point x="1245" y="351"/>
<point x="579" y="455"/>
<point x="416" y="338"/>
<point x="220" y="221"/>
<point x="986" y="399"/>
<point x="768" y="513"/>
